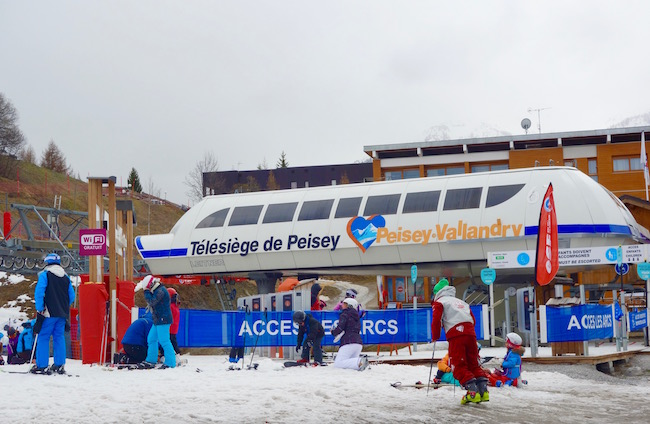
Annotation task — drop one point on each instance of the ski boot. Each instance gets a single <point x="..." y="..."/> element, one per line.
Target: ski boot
<point x="363" y="362"/>
<point x="58" y="369"/>
<point x="36" y="370"/>
<point x="472" y="394"/>
<point x="482" y="384"/>
<point x="144" y="365"/>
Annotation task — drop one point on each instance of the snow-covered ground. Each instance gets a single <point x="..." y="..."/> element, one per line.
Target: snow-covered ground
<point x="205" y="392"/>
<point x="273" y="394"/>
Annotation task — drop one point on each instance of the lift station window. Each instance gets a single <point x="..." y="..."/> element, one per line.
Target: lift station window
<point x="382" y="205"/>
<point x="245" y="215"/>
<point x="315" y="209"/>
<point x="216" y="219"/>
<point x="499" y="194"/>
<point x="347" y="208"/>
<point x="426" y="201"/>
<point x="462" y="198"/>
<point x="280" y="212"/>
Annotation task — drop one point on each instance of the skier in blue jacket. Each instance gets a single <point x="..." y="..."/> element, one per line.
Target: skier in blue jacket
<point x="26" y="341"/>
<point x="53" y="296"/>
<point x="134" y="341"/>
<point x="158" y="302"/>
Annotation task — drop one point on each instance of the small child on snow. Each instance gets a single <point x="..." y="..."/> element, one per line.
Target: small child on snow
<point x="510" y="372"/>
<point x="12" y="346"/>
<point x="444" y="374"/>
<point x="350" y="294"/>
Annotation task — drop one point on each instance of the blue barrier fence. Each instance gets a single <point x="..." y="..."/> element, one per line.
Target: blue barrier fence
<point x="199" y="328"/>
<point x="576" y="323"/>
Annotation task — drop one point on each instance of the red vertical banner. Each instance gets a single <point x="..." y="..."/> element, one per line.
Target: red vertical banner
<point x="6" y="225"/>
<point x="547" y="261"/>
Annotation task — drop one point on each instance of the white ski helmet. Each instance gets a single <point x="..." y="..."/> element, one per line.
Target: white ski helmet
<point x="351" y="303"/>
<point x="147" y="283"/>
<point x="513" y="341"/>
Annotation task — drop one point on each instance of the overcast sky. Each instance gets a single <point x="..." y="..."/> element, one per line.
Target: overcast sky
<point x="155" y="85"/>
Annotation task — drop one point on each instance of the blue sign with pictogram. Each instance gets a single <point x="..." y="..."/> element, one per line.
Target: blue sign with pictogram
<point x="622" y="269"/>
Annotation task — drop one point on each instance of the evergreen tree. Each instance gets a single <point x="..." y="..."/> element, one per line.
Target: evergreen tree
<point x="134" y="181"/>
<point x="282" y="162"/>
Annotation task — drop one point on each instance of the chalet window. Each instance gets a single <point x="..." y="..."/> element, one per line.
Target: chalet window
<point x="446" y="170"/>
<point x="593" y="169"/>
<point x="629" y="163"/>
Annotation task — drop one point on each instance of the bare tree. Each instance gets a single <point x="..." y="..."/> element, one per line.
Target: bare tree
<point x="152" y="189"/>
<point x="271" y="183"/>
<point x="262" y="165"/>
<point x="11" y="138"/>
<point x="194" y="180"/>
<point x="27" y="154"/>
<point x="54" y="159"/>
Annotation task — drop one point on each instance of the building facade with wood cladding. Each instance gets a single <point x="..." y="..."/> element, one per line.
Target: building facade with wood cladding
<point x="609" y="156"/>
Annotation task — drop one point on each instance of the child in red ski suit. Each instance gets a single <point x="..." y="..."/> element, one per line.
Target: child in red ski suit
<point x="455" y="316"/>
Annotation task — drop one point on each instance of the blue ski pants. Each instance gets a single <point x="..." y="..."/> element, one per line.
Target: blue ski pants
<point x="160" y="334"/>
<point x="52" y="327"/>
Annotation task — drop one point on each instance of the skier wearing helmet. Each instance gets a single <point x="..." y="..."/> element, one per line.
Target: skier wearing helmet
<point x="458" y="321"/>
<point x="349" y="328"/>
<point x="176" y="317"/>
<point x="350" y="294"/>
<point x="510" y="372"/>
<point x="313" y="332"/>
<point x="53" y="296"/>
<point x="158" y="303"/>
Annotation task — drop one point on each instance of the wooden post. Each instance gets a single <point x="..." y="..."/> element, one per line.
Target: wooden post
<point x="129" y="245"/>
<point x="96" y="220"/>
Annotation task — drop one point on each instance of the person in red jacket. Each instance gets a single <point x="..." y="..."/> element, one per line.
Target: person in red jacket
<point x="455" y="316"/>
<point x="176" y="315"/>
<point x="316" y="303"/>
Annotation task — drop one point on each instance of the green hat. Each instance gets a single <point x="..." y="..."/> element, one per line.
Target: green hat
<point x="441" y="284"/>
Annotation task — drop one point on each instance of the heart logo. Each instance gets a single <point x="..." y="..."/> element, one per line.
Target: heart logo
<point x="363" y="232"/>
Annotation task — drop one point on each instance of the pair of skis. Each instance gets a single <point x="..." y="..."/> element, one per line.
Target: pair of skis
<point x="290" y="364"/>
<point x="47" y="372"/>
<point x="252" y="366"/>
<point x="418" y="385"/>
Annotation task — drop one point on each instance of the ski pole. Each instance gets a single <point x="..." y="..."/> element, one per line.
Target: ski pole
<point x="255" y="347"/>
<point x="431" y="367"/>
<point x="31" y="358"/>
<point x="104" y="342"/>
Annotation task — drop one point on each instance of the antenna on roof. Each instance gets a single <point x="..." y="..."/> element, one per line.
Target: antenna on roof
<point x="525" y="124"/>
<point x="539" y="119"/>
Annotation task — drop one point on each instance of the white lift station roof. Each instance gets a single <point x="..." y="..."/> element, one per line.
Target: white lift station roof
<point x="445" y="225"/>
